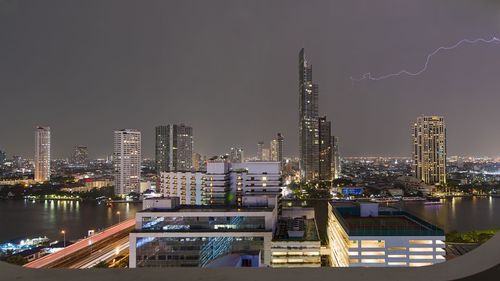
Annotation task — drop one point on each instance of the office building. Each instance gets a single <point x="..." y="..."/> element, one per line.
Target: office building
<point x="429" y="149"/>
<point x="336" y="165"/>
<point x="127" y="161"/>
<point x="168" y="234"/>
<point x="174" y="148"/>
<point x="277" y="148"/>
<point x="296" y="241"/>
<point x="236" y="155"/>
<point x="364" y="235"/>
<point x="266" y="154"/>
<point x="42" y="154"/>
<point x="187" y="186"/>
<point x="80" y="156"/>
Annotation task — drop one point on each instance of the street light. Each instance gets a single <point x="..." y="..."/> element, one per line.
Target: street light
<point x="119" y="216"/>
<point x="63" y="232"/>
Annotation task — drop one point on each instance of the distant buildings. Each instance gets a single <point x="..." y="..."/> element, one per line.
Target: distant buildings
<point x="80" y="156"/>
<point x="3" y="157"/>
<point x="236" y="155"/>
<point x="174" y="148"/>
<point x="362" y="235"/>
<point x="429" y="149"/>
<point x="127" y="161"/>
<point x="261" y="153"/>
<point x="199" y="162"/>
<point x="314" y="131"/>
<point x="42" y="154"/>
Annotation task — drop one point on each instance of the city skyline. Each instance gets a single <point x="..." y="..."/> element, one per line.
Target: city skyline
<point x="162" y="77"/>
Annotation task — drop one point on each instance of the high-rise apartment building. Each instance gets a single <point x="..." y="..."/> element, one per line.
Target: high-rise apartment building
<point x="174" y="148"/>
<point x="127" y="161"/>
<point x="308" y="121"/>
<point x="429" y="149"/>
<point x="42" y="154"/>
<point x="336" y="166"/>
<point x="3" y="157"/>
<point x="277" y="148"/>
<point x="80" y="155"/>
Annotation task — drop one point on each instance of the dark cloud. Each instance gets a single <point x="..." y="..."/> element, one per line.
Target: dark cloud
<point x="229" y="69"/>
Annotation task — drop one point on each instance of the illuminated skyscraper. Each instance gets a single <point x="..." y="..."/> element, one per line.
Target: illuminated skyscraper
<point x="174" y="148"/>
<point x="127" y="161"/>
<point x="325" y="149"/>
<point x="429" y="149"/>
<point x="308" y="121"/>
<point x="336" y="166"/>
<point x="277" y="148"/>
<point x="42" y="154"/>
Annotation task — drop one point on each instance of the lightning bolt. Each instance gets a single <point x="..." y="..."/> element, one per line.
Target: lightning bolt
<point x="368" y="75"/>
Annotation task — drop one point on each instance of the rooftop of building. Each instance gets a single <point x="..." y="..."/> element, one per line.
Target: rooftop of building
<point x="385" y="222"/>
<point x="296" y="229"/>
<point x="209" y="208"/>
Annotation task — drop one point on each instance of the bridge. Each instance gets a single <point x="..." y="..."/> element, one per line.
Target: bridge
<point x="89" y="251"/>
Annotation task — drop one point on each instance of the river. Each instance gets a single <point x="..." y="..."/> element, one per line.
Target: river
<point x="23" y="218"/>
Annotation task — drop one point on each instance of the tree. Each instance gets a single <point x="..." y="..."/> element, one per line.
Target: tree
<point x="18" y="260"/>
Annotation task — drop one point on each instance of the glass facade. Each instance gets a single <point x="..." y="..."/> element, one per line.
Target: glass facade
<point x="191" y="251"/>
<point x="183" y="223"/>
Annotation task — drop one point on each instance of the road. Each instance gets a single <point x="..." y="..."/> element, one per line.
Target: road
<point x="89" y="251"/>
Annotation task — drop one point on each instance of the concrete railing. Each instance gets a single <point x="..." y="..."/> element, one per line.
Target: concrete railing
<point x="478" y="260"/>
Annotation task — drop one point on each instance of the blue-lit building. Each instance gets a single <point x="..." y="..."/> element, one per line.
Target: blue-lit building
<point x="352" y="190"/>
<point x="172" y="235"/>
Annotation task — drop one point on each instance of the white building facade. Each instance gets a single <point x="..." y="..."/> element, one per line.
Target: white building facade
<point x="42" y="154"/>
<point x="127" y="161"/>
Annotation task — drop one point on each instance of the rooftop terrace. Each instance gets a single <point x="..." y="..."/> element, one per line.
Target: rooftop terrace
<point x="387" y="223"/>
<point x="297" y="229"/>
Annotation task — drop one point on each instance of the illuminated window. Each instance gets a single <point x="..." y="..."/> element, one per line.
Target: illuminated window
<point x="420" y="263"/>
<point x="396" y="256"/>
<point x="372" y="243"/>
<point x="279" y="253"/>
<point x="353" y="253"/>
<point x="421" y="249"/>
<point x="396" y="248"/>
<point x="353" y="261"/>
<point x="421" y="242"/>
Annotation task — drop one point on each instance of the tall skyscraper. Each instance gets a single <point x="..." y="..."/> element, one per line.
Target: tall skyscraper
<point x="277" y="148"/>
<point x="260" y="152"/>
<point x="429" y="149"/>
<point x="336" y="166"/>
<point x="127" y="161"/>
<point x="80" y="155"/>
<point x="236" y="155"/>
<point x="308" y="121"/>
<point x="174" y="148"/>
<point x="42" y="154"/>
<point x="325" y="149"/>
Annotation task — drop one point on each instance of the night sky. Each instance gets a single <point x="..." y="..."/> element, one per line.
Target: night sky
<point x="229" y="69"/>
